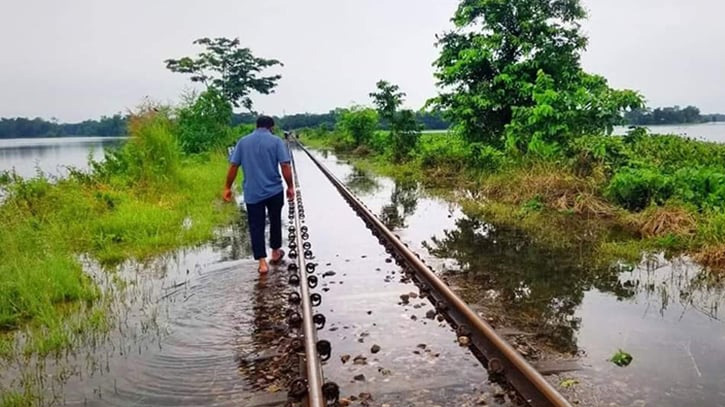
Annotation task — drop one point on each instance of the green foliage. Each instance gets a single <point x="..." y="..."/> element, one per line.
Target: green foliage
<point x="635" y="189"/>
<point x="134" y="204"/>
<point x="584" y="105"/>
<point x="484" y="157"/>
<point x="535" y="204"/>
<point x="387" y="99"/>
<point x="204" y="122"/>
<point x="404" y="134"/>
<point x="152" y="152"/>
<point x="621" y="358"/>
<point x="228" y="68"/>
<point x="511" y="73"/>
<point x="703" y="187"/>
<point x="358" y="124"/>
<point x="443" y="149"/>
<point x="404" y="126"/>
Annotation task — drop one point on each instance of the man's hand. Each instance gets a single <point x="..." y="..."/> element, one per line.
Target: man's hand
<point x="290" y="194"/>
<point x="227" y="195"/>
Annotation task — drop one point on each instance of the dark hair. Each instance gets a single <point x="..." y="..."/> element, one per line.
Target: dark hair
<point x="265" y="122"/>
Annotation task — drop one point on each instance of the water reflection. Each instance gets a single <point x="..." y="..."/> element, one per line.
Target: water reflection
<point x="539" y="288"/>
<point x="233" y="242"/>
<point x="361" y="182"/>
<point x="403" y="203"/>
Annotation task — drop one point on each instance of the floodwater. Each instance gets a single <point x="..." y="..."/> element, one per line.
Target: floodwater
<point x="52" y="156"/>
<point x="666" y="314"/>
<point x="711" y="131"/>
<point x="200" y="327"/>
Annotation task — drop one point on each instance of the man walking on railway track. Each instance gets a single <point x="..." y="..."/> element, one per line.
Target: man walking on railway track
<point x="261" y="154"/>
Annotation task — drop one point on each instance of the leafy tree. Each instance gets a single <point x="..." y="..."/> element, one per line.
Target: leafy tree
<point x="586" y="105"/>
<point x="404" y="127"/>
<point x="232" y="70"/>
<point x="503" y="55"/>
<point x="388" y="99"/>
<point x="204" y="122"/>
<point x="359" y="124"/>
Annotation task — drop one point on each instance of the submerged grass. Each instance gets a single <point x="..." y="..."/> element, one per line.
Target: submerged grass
<point x="146" y="199"/>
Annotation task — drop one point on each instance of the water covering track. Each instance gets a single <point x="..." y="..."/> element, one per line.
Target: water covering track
<point x="316" y="393"/>
<point x="499" y="357"/>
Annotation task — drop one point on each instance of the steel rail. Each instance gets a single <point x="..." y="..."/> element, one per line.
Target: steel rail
<point x="315" y="397"/>
<point x="500" y="357"/>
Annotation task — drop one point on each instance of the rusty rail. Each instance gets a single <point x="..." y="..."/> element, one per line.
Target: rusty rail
<point x="499" y="357"/>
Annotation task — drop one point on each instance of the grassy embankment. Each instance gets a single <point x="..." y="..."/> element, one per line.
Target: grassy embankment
<point x="146" y="199"/>
<point x="623" y="195"/>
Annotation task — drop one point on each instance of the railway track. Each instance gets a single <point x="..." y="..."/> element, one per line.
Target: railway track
<point x="504" y="364"/>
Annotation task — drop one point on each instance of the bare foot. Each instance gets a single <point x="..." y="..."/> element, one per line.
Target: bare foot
<point x="277" y="256"/>
<point x="263" y="268"/>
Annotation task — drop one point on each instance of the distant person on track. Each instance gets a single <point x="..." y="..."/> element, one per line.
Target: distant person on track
<point x="261" y="155"/>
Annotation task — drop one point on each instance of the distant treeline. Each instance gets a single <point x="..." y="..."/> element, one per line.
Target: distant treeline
<point x="670" y="115"/>
<point x="430" y="121"/>
<point x="115" y="126"/>
<point x="20" y="127"/>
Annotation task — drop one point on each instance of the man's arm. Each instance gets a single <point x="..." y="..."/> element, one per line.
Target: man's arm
<point x="231" y="176"/>
<point x="287" y="175"/>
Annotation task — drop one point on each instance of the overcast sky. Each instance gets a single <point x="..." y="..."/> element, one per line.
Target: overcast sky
<point x="78" y="59"/>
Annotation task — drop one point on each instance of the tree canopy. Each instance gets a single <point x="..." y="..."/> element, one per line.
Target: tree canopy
<point x="229" y="68"/>
<point x="518" y="62"/>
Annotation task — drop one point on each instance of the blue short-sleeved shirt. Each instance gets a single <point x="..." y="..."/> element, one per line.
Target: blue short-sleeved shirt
<point x="260" y="154"/>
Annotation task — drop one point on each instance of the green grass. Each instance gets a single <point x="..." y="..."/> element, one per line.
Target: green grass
<point x="624" y="195"/>
<point x="115" y="214"/>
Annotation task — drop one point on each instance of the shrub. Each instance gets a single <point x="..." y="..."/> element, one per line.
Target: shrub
<point x="204" y="122"/>
<point x="636" y="188"/>
<point x="151" y="154"/>
<point x="359" y="124"/>
<point x="436" y="149"/>
<point x="485" y="157"/>
<point x="380" y="142"/>
<point x="703" y="187"/>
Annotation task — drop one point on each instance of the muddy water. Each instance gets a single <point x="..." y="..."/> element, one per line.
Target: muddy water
<point x="665" y="313"/>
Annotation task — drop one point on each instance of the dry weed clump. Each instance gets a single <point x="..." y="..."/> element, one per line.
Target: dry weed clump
<point x="584" y="203"/>
<point x="712" y="257"/>
<point x="667" y="221"/>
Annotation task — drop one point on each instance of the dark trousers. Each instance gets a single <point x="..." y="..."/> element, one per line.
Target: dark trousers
<point x="256" y="213"/>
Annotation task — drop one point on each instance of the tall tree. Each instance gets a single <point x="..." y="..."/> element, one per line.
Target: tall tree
<point x="229" y="68"/>
<point x="500" y="54"/>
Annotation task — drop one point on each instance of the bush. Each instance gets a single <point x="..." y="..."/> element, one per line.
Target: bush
<point x="359" y="124"/>
<point x="380" y="142"/>
<point x="151" y="154"/>
<point x="438" y="149"/>
<point x="703" y="187"/>
<point x="485" y="157"/>
<point x="404" y="134"/>
<point x="636" y="188"/>
<point x="204" y="122"/>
